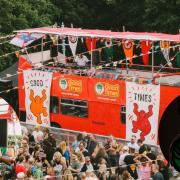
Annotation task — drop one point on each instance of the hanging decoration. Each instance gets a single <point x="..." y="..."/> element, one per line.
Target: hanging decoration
<point x="145" y="47"/>
<point x="109" y="49"/>
<point x="37" y="96"/>
<point x="24" y="39"/>
<point x="54" y="39"/>
<point x="128" y="46"/>
<point x="88" y="43"/>
<point x="142" y="111"/>
<point x="73" y="44"/>
<point x="165" y="50"/>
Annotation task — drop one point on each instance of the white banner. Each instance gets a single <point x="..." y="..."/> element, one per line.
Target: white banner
<point x="73" y="44"/>
<point x="142" y="111"/>
<point x="37" y="90"/>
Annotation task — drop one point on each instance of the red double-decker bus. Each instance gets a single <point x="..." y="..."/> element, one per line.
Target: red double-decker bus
<point x="77" y="100"/>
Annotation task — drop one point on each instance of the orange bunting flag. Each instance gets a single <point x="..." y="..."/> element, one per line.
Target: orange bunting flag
<point x="165" y="48"/>
<point x="128" y="46"/>
<point x="88" y="43"/>
<point x="17" y="53"/>
<point x="145" y="47"/>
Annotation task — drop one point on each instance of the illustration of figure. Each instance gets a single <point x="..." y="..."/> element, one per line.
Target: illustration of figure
<point x="36" y="105"/>
<point x="142" y="122"/>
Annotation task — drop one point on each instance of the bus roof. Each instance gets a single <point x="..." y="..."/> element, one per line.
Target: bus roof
<point x="103" y="34"/>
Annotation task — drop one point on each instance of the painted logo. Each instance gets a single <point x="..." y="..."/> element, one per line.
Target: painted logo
<point x="99" y="88"/>
<point x="63" y="84"/>
<point x="71" y="85"/>
<point x="107" y="89"/>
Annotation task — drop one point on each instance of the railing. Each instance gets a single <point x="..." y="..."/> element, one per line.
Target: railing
<point x="69" y="135"/>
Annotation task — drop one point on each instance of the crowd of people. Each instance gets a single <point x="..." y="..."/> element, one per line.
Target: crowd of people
<point x="41" y="156"/>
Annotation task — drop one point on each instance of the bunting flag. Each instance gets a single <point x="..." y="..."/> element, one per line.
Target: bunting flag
<point x="73" y="44"/>
<point x="165" y="48"/>
<point x="145" y="47"/>
<point x="88" y="43"/>
<point x="128" y="46"/>
<point x="142" y="111"/>
<point x="37" y="99"/>
<point x="24" y="39"/>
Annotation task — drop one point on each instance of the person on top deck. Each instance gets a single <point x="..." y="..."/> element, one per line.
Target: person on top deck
<point x="81" y="60"/>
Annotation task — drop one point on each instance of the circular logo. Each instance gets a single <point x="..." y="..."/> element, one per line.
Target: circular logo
<point x="128" y="44"/>
<point x="63" y="84"/>
<point x="99" y="88"/>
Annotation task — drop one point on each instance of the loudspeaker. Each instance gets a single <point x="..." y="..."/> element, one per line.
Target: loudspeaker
<point x="53" y="51"/>
<point x="3" y="133"/>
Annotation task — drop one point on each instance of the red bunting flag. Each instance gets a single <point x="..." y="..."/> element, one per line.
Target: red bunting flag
<point x="88" y="43"/>
<point x="145" y="47"/>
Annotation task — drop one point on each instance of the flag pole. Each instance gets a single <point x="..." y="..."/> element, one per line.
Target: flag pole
<point x="42" y="50"/>
<point x="91" y="53"/>
<point x="152" y="59"/>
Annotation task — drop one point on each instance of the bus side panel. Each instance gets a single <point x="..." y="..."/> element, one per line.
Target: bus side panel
<point x="105" y="119"/>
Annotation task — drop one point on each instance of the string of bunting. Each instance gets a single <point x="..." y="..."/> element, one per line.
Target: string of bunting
<point x="115" y="63"/>
<point x="17" y="52"/>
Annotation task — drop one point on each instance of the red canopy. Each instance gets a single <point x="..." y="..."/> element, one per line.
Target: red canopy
<point x="104" y="33"/>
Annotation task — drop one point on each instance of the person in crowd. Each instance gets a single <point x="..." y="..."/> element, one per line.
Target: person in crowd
<point x="123" y="155"/>
<point x="76" y="142"/>
<point x="81" y="60"/>
<point x="75" y="166"/>
<point x="150" y="154"/>
<point x="156" y="174"/>
<point x="144" y="166"/>
<point x="48" y="144"/>
<point x="102" y="171"/>
<point x="38" y="134"/>
<point x="58" y="163"/>
<point x="82" y="149"/>
<point x="20" y="167"/>
<point x="163" y="169"/>
<point x="38" y="174"/>
<point x="91" y="145"/>
<point x="64" y="151"/>
<point x="133" y="147"/>
<point x="99" y="152"/>
<point x="142" y="146"/>
<point x="81" y="159"/>
<point x="126" y="176"/>
<point x="87" y="165"/>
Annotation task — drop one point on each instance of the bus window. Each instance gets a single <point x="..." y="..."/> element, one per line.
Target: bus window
<point x="54" y="107"/>
<point x="123" y="114"/>
<point x="74" y="107"/>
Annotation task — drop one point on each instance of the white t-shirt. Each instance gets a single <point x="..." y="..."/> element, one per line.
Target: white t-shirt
<point x="81" y="61"/>
<point x="133" y="146"/>
<point x="38" y="136"/>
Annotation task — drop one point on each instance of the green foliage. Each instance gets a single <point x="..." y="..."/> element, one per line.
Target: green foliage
<point x="135" y="15"/>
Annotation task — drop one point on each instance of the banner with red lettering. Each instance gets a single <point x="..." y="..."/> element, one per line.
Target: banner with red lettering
<point x="142" y="111"/>
<point x="37" y="96"/>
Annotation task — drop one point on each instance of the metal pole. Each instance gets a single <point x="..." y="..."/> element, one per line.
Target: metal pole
<point x="91" y="54"/>
<point x="152" y="60"/>
<point x="42" y="50"/>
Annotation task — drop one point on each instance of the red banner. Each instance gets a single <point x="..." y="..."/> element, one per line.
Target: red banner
<point x="88" y="43"/>
<point x="70" y="86"/>
<point x="145" y="47"/>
